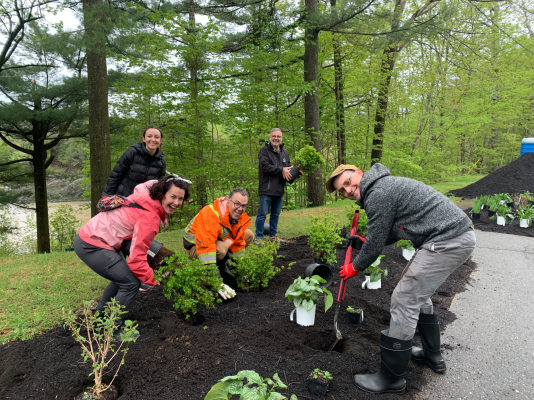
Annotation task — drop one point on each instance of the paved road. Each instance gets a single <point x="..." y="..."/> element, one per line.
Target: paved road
<point x="491" y="353"/>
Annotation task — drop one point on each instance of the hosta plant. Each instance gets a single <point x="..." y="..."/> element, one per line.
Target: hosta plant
<point x="405" y="244"/>
<point x="526" y="213"/>
<point x="504" y="211"/>
<point x="375" y="271"/>
<point x="324" y="237"/>
<point x="306" y="292"/>
<point x="189" y="283"/>
<point x="248" y="385"/>
<point x="254" y="268"/>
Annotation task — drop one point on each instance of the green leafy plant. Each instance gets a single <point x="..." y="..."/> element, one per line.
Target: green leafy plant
<point x="306" y="292"/>
<point x="524" y="199"/>
<point x="319" y="374"/>
<point x="255" y="388"/>
<point x="405" y="244"/>
<point x="504" y="211"/>
<point x="485" y="199"/>
<point x="307" y="159"/>
<point x="324" y="236"/>
<point x="375" y="271"/>
<point x="63" y="224"/>
<point x="353" y="310"/>
<point x="94" y="332"/>
<point x="477" y="205"/>
<point x="493" y="203"/>
<point x="362" y="219"/>
<point x="254" y="268"/>
<point x="189" y="283"/>
<point x="526" y="213"/>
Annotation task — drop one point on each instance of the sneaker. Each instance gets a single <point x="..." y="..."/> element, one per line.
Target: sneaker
<point x="272" y="238"/>
<point x="144" y="287"/>
<point x="258" y="242"/>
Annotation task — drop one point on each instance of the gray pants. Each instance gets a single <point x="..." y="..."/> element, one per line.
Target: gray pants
<point x="123" y="285"/>
<point x="424" y="274"/>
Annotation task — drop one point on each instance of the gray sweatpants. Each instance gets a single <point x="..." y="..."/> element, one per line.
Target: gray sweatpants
<point x="431" y="265"/>
<point x="111" y="265"/>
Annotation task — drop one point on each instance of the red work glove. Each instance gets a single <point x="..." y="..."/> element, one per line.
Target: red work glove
<point x="347" y="271"/>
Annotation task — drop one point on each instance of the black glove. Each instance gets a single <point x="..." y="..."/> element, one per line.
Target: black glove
<point x="356" y="242"/>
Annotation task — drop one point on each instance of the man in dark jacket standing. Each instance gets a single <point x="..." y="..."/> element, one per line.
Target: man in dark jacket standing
<point x="402" y="208"/>
<point x="274" y="169"/>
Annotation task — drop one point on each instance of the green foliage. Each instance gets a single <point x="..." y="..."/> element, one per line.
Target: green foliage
<point x="484" y="200"/>
<point x="493" y="203"/>
<point x="98" y="341"/>
<point x="353" y="310"/>
<point x="255" y="388"/>
<point x="189" y="282"/>
<point x="63" y="228"/>
<point x="477" y="205"/>
<point x="254" y="268"/>
<point x="324" y="236"/>
<point x="307" y="159"/>
<point x="320" y="374"/>
<point x="375" y="271"/>
<point x="526" y="213"/>
<point x="405" y="244"/>
<point x="362" y="219"/>
<point x="6" y="226"/>
<point x="524" y="199"/>
<point x="306" y="292"/>
<point x="504" y="211"/>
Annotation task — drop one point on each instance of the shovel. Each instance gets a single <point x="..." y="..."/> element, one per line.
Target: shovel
<point x="343" y="283"/>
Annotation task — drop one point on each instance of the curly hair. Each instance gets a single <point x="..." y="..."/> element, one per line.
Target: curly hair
<point x="159" y="189"/>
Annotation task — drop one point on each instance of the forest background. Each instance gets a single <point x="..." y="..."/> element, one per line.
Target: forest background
<point x="431" y="89"/>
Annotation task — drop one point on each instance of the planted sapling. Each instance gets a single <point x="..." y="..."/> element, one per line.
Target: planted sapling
<point x="306" y="292"/>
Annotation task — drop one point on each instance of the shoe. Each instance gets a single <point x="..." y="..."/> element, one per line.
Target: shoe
<point x="259" y="242"/>
<point x="144" y="287"/>
<point x="430" y="354"/>
<point x="272" y="238"/>
<point x="395" y="356"/>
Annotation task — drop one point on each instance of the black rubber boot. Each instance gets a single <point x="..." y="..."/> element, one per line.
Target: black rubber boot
<point x="224" y="267"/>
<point x="395" y="356"/>
<point x="430" y="354"/>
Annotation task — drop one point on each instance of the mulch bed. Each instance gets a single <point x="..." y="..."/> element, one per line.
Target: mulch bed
<point x="174" y="359"/>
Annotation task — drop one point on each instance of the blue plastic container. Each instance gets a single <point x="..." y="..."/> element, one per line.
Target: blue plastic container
<point x="527" y="146"/>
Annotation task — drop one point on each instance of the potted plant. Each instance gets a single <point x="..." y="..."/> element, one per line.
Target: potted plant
<point x="525" y="199"/>
<point x="492" y="206"/>
<point x="304" y="294"/>
<point x="477" y="207"/>
<point x="504" y="212"/>
<point x="324" y="236"/>
<point x="407" y="249"/>
<point x="306" y="160"/>
<point x="373" y="275"/>
<point x="525" y="215"/>
<point x="318" y="381"/>
<point x="484" y="200"/>
<point x="355" y="315"/>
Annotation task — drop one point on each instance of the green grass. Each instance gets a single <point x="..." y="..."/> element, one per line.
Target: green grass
<point x="35" y="288"/>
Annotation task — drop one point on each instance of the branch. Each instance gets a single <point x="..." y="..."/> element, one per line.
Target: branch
<point x="15" y="161"/>
<point x="13" y="145"/>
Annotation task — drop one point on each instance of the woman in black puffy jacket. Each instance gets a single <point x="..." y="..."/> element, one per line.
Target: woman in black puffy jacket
<point x="142" y="162"/>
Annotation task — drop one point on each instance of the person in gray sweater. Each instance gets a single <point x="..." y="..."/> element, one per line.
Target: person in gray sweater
<point x="403" y="208"/>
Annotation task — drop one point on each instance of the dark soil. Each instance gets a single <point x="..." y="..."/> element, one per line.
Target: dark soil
<point x="488" y="225"/>
<point x="516" y="177"/>
<point x="174" y="359"/>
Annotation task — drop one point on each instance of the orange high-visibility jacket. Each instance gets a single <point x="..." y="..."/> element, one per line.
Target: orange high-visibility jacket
<point x="212" y="223"/>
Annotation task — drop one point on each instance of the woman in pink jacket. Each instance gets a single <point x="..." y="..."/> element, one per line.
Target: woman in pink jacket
<point x="99" y="241"/>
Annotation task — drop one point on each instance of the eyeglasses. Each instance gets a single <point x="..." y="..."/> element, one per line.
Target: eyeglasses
<point x="346" y="184"/>
<point x="239" y="205"/>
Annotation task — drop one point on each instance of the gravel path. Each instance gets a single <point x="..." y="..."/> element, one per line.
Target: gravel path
<point x="490" y="347"/>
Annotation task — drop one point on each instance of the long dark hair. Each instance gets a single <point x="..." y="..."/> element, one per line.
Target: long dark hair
<point x="159" y="189"/>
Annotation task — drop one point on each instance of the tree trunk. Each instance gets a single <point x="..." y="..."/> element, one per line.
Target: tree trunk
<point x="41" y="198"/>
<point x="315" y="184"/>
<point x="97" y="80"/>
<point x="340" y="106"/>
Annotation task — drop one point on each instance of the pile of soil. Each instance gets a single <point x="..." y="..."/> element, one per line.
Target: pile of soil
<point x="516" y="177"/>
<point x="174" y="359"/>
<point x="487" y="225"/>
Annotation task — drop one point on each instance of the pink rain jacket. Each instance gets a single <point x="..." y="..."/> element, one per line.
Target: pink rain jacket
<point x="108" y="229"/>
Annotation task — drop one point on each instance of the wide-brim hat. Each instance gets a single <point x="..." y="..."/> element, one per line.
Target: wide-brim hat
<point x="338" y="171"/>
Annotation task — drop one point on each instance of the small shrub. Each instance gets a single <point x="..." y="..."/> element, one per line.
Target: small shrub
<point x="255" y="388"/>
<point x="254" y="269"/>
<point x="63" y="224"/>
<point x="307" y="159"/>
<point x="306" y="292"/>
<point x="99" y="341"/>
<point x="189" y="283"/>
<point x="375" y="271"/>
<point x="362" y="220"/>
<point x="324" y="236"/>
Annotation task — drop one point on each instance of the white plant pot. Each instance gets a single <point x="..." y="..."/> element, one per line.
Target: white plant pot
<point x="371" y="285"/>
<point x="501" y="220"/>
<point x="502" y="202"/>
<point x="304" y="318"/>
<point x="408" y="254"/>
<point x="523" y="223"/>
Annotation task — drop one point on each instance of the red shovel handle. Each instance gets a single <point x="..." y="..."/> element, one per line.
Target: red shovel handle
<point x="348" y="255"/>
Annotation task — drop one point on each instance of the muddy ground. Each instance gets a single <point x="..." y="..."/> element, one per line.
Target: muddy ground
<point x="174" y="359"/>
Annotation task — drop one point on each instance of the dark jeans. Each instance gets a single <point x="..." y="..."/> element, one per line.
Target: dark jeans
<point x="268" y="202"/>
<point x="111" y="265"/>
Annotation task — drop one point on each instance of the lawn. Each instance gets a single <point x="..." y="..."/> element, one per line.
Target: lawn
<point x="35" y="288"/>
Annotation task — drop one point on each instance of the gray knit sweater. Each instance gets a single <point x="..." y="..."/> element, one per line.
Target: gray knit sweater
<point x="403" y="208"/>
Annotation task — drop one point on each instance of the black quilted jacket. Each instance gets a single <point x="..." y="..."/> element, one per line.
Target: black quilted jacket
<point x="135" y="166"/>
